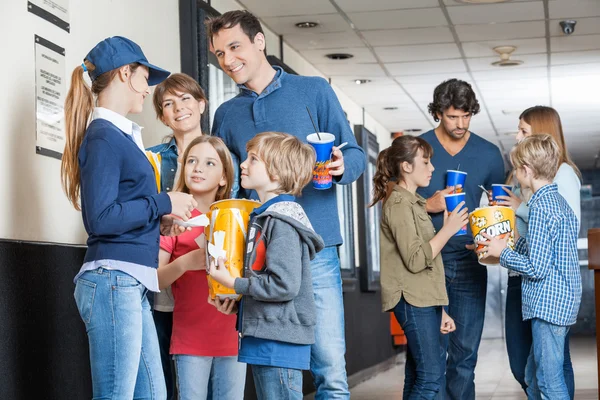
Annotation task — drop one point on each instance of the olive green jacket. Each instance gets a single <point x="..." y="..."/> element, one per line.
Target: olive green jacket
<point x="407" y="266"/>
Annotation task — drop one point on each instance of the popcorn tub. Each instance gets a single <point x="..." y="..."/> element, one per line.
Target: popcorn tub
<point x="226" y="237"/>
<point x="496" y="221"/>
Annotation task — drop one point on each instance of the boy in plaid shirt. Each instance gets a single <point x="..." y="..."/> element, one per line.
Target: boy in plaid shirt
<point x="548" y="261"/>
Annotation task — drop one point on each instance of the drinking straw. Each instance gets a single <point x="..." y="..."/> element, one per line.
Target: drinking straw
<point x="313" y="122"/>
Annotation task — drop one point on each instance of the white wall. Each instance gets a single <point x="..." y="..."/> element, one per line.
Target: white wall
<point x="32" y="201"/>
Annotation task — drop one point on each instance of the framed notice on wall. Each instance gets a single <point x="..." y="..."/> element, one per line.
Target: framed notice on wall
<point x="50" y="92"/>
<point x="54" y="11"/>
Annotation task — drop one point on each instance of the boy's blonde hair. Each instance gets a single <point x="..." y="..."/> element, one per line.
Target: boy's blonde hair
<point x="286" y="158"/>
<point x="540" y="153"/>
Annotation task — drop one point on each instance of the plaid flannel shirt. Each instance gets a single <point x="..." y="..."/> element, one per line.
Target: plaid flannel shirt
<point x="548" y="260"/>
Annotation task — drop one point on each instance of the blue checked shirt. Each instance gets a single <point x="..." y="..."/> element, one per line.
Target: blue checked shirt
<point x="547" y="260"/>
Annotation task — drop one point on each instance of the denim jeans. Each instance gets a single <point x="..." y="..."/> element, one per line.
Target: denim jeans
<point x="519" y="339"/>
<point x="124" y="355"/>
<point x="274" y="383"/>
<point x="425" y="357"/>
<point x="224" y="375"/>
<point x="164" y="328"/>
<point x="466" y="284"/>
<point x="327" y="362"/>
<point x="544" y="372"/>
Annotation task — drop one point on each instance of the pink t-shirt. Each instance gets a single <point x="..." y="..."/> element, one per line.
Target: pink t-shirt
<point x="198" y="328"/>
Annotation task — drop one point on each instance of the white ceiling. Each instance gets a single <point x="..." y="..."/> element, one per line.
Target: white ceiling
<point x="407" y="47"/>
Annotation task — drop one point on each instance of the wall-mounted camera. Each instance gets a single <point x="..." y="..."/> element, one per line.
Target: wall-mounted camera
<point x="568" y="26"/>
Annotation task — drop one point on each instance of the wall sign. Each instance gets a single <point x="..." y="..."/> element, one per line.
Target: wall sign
<point x="53" y="11"/>
<point x="50" y="92"/>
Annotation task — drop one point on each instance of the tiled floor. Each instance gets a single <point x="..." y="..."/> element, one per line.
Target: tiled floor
<point x="493" y="379"/>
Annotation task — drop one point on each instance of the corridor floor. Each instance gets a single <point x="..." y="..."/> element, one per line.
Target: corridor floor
<point x="493" y="379"/>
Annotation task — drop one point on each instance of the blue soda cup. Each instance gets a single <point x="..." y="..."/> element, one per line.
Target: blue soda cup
<point x="321" y="178"/>
<point x="452" y="201"/>
<point x="456" y="178"/>
<point x="498" y="190"/>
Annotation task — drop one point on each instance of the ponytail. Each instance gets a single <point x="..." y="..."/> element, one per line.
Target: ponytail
<point x="382" y="177"/>
<point x="78" y="108"/>
<point x="403" y="149"/>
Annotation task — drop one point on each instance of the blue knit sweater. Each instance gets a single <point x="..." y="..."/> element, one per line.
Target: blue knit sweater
<point x="119" y="201"/>
<point x="281" y="107"/>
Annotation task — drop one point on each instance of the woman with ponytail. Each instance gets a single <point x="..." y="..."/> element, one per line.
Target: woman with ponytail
<point x="106" y="175"/>
<point x="413" y="284"/>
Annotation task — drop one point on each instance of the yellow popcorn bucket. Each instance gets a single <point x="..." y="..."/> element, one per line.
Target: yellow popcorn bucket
<point x="496" y="221"/>
<point x="226" y="237"/>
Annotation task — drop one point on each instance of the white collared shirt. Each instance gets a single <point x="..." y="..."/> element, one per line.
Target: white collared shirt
<point x="124" y="124"/>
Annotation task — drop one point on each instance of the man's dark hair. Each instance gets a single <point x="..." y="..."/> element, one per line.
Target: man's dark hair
<point x="455" y="93"/>
<point x="247" y="21"/>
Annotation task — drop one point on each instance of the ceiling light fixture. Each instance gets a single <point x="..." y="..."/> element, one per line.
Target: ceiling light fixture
<point x="339" y="56"/>
<point x="505" y="61"/>
<point x="307" y="24"/>
<point x="390" y="108"/>
<point x="413" y="130"/>
<point x="361" y="81"/>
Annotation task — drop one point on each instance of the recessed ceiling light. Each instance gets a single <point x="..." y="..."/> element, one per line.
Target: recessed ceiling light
<point x="505" y="61"/>
<point x="414" y="130"/>
<point x="361" y="81"/>
<point x="307" y="24"/>
<point x="339" y="56"/>
<point x="390" y="108"/>
<point x="482" y="1"/>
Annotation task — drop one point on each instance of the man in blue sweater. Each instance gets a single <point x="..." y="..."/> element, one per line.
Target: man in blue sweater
<point x="456" y="148"/>
<point x="272" y="100"/>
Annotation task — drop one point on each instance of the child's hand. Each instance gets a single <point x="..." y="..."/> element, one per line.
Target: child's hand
<point x="493" y="245"/>
<point x="220" y="273"/>
<point x="182" y="204"/>
<point x="448" y="324"/>
<point x="458" y="218"/>
<point x="511" y="200"/>
<point x="226" y="306"/>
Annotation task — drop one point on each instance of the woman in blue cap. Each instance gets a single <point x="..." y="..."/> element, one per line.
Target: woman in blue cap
<point x="106" y="174"/>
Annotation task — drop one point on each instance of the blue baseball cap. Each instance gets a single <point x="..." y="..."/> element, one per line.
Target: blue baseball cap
<point x="116" y="51"/>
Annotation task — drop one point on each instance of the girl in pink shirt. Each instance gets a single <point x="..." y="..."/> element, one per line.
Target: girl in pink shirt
<point x="204" y="341"/>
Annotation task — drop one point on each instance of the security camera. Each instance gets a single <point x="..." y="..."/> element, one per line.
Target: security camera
<point x="568" y="26"/>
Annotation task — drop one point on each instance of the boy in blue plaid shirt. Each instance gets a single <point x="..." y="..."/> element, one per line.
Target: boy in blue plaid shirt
<point x="548" y="261"/>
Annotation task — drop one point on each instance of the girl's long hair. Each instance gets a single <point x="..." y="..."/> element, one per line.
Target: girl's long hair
<point x="224" y="192"/>
<point x="389" y="161"/>
<point x="79" y="105"/>
<point x="546" y="120"/>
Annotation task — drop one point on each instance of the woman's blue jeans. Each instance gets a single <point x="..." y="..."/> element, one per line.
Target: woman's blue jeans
<point x="124" y="355"/>
<point x="519" y="338"/>
<point x="426" y="354"/>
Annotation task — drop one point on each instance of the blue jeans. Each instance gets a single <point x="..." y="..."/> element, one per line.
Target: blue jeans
<point x="327" y="362"/>
<point x="225" y="376"/>
<point x="466" y="284"/>
<point x="519" y="339"/>
<point x="425" y="357"/>
<point x="164" y="328"/>
<point x="274" y="383"/>
<point x="545" y="363"/>
<point x="124" y="355"/>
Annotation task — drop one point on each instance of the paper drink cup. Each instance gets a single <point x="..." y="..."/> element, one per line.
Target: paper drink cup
<point x="456" y="178"/>
<point x="496" y="221"/>
<point x="498" y="190"/>
<point x="231" y="217"/>
<point x="452" y="201"/>
<point x="321" y="177"/>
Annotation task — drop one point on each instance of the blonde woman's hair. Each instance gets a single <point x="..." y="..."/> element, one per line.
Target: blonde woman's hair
<point x="79" y="105"/>
<point x="540" y="153"/>
<point x="224" y="192"/>
<point x="287" y="159"/>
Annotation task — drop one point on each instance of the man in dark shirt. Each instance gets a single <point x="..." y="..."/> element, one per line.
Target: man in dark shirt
<point x="456" y="148"/>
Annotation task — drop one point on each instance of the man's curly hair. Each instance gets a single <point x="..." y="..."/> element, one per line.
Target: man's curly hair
<point x="455" y="93"/>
